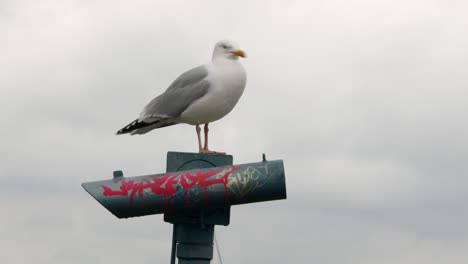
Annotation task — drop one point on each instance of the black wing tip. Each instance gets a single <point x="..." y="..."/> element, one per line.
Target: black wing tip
<point x="135" y="124"/>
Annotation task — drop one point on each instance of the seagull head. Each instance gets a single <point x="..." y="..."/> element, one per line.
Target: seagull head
<point x="227" y="49"/>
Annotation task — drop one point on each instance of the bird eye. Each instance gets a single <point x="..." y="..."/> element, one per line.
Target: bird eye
<point x="225" y="46"/>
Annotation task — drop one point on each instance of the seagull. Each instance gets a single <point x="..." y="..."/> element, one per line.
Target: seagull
<point x="199" y="96"/>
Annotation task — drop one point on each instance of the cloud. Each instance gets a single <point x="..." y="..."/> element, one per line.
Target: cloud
<point x="364" y="101"/>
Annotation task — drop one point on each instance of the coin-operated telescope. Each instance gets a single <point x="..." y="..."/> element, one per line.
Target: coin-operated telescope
<point x="194" y="194"/>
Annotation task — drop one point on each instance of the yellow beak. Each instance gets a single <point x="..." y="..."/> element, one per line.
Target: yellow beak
<point x="239" y="53"/>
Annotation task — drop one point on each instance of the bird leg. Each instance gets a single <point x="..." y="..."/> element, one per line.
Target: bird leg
<point x="206" y="137"/>
<point x="205" y="149"/>
<point x="200" y="149"/>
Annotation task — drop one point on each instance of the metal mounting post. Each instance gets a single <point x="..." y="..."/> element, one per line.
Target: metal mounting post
<point x="193" y="231"/>
<point x="195" y="194"/>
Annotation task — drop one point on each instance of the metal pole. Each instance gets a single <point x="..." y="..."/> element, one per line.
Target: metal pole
<point x="192" y="235"/>
<point x="195" y="194"/>
<point x="194" y="244"/>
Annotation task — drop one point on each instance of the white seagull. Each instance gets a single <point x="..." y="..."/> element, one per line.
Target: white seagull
<point x="199" y="96"/>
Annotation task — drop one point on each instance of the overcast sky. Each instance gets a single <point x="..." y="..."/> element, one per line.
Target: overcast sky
<point x="365" y="101"/>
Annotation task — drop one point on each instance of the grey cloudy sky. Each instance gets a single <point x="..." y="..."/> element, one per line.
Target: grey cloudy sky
<point x="366" y="102"/>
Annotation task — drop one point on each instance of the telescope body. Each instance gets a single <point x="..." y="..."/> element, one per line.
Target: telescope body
<point x="190" y="190"/>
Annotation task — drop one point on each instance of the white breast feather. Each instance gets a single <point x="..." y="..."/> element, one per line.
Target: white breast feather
<point x="228" y="80"/>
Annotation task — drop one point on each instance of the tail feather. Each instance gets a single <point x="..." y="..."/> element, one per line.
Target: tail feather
<point x="141" y="127"/>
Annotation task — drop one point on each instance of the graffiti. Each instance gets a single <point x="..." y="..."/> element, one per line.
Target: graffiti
<point x="167" y="185"/>
<point x="237" y="184"/>
<point x="248" y="181"/>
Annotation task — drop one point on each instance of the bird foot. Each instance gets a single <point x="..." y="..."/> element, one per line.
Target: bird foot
<point x="207" y="151"/>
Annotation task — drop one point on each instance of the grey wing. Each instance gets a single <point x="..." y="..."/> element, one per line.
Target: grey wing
<point x="187" y="88"/>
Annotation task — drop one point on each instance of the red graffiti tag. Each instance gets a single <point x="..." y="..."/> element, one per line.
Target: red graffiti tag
<point x="166" y="185"/>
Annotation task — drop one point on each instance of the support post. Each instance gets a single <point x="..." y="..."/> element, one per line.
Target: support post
<point x="193" y="231"/>
<point x="195" y="194"/>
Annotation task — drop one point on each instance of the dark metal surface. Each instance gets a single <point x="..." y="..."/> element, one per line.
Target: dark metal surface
<point x="182" y="161"/>
<point x="193" y="231"/>
<point x="183" y="191"/>
<point x="195" y="194"/>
